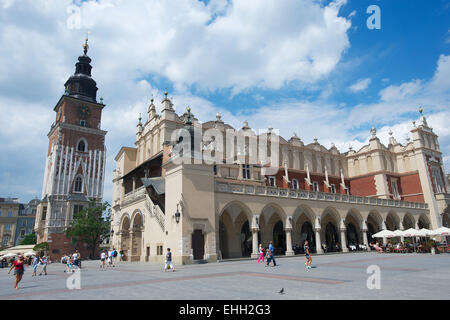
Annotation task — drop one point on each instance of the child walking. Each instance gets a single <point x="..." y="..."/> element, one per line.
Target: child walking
<point x="169" y="264"/>
<point x="261" y="253"/>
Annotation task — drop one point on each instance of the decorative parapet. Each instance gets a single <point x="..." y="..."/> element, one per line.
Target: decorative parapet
<point x="310" y="195"/>
<point x="131" y="197"/>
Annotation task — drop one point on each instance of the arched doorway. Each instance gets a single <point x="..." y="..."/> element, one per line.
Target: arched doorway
<point x="307" y="234"/>
<point x="223" y="240"/>
<point x="125" y="237"/>
<point x="331" y="237"/>
<point x="246" y="240"/>
<point x="279" y="238"/>
<point x="370" y="231"/>
<point x="352" y="235"/>
<point x="136" y="240"/>
<point x="198" y="244"/>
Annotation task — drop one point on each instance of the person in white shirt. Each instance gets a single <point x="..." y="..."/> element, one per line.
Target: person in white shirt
<point x="102" y="259"/>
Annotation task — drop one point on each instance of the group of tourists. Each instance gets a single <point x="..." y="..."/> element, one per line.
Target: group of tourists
<point x="268" y="253"/>
<point x="40" y="262"/>
<point x="108" y="256"/>
<point x="18" y="264"/>
<point x="403" y="247"/>
<point x="72" y="261"/>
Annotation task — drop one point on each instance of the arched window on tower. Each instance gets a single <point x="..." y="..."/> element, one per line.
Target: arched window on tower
<point x="78" y="186"/>
<point x="81" y="146"/>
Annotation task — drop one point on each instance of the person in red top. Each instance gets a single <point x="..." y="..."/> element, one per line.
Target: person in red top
<point x="18" y="271"/>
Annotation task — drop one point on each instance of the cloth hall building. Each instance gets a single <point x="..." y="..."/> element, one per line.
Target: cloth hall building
<point x="208" y="211"/>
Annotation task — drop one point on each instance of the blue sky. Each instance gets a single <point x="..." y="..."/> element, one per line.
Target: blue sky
<point x="312" y="67"/>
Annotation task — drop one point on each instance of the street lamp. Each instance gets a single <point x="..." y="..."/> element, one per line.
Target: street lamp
<point x="177" y="215"/>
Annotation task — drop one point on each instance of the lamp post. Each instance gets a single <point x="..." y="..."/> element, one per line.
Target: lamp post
<point x="177" y="215"/>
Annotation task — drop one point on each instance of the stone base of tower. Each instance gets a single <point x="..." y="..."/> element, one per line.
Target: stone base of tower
<point x="60" y="245"/>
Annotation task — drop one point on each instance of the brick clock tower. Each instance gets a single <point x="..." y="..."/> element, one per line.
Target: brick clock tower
<point x="75" y="164"/>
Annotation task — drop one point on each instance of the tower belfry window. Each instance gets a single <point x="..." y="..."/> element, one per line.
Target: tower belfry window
<point x="81" y="146"/>
<point x="78" y="185"/>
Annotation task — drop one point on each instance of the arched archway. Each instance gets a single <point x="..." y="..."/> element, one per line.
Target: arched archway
<point x="331" y="237"/>
<point x="424" y="222"/>
<point x="279" y="238"/>
<point x="373" y="222"/>
<point x="235" y="238"/>
<point x="352" y="235"/>
<point x="392" y="221"/>
<point x="307" y="234"/>
<point x="125" y="236"/>
<point x="330" y="223"/>
<point x="137" y="227"/>
<point x="408" y="221"/>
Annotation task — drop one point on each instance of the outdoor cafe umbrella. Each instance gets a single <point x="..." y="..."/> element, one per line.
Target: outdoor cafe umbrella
<point x="442" y="231"/>
<point x="29" y="254"/>
<point x="398" y="233"/>
<point x="425" y="232"/>
<point x="9" y="255"/>
<point x="411" y="232"/>
<point x="384" y="234"/>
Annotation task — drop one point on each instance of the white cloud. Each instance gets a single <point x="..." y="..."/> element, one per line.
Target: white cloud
<point x="360" y="85"/>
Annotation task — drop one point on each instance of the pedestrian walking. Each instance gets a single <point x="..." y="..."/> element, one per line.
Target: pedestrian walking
<point x="169" y="264"/>
<point x="272" y="250"/>
<point x="44" y="262"/>
<point x="261" y="253"/>
<point x="76" y="258"/>
<point x="18" y="271"/>
<point x="113" y="256"/>
<point x="307" y="255"/>
<point x="102" y="259"/>
<point x="269" y="258"/>
<point x="36" y="261"/>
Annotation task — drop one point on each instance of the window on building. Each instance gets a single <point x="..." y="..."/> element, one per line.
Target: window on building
<point x="437" y="180"/>
<point x="8" y="226"/>
<point x="33" y="212"/>
<point x="272" y="181"/>
<point x="395" y="189"/>
<point x="159" y="250"/>
<point x="294" y="184"/>
<point x="0" y="213"/>
<point x="5" y="241"/>
<point x="246" y="171"/>
<point x="9" y="214"/>
<point x="77" y="208"/>
<point x="44" y="213"/>
<point x="333" y="188"/>
<point x="215" y="169"/>
<point x="78" y="187"/>
<point x="83" y="123"/>
<point x="81" y="145"/>
<point x="316" y="186"/>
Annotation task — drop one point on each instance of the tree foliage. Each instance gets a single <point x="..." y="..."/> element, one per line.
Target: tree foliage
<point x="90" y="225"/>
<point x="43" y="246"/>
<point x="29" y="239"/>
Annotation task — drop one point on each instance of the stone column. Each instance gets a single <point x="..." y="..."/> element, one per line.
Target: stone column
<point x="366" y="242"/>
<point x="134" y="184"/>
<point x="344" y="241"/>
<point x="130" y="249"/>
<point x="319" y="249"/>
<point x="384" y="228"/>
<point x="402" y="238"/>
<point x="255" y="244"/>
<point x="289" y="251"/>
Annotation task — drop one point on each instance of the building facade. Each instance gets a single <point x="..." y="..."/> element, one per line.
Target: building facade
<point x="9" y="212"/>
<point x="75" y="162"/>
<point x="25" y="221"/>
<point x="224" y="209"/>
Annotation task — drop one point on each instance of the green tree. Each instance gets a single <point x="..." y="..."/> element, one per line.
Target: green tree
<point x="41" y="247"/>
<point x="29" y="239"/>
<point x="91" y="225"/>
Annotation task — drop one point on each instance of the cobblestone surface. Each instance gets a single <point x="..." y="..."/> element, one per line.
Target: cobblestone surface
<point x="341" y="276"/>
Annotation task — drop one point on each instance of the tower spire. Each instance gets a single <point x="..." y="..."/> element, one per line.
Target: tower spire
<point x="85" y="45"/>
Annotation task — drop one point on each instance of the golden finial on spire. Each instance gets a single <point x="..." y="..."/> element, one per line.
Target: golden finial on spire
<point x="85" y="45"/>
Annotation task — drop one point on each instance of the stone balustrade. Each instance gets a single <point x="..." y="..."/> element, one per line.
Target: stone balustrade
<point x="311" y="195"/>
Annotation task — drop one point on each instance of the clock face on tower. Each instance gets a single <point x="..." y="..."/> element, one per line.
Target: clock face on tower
<point x="83" y="111"/>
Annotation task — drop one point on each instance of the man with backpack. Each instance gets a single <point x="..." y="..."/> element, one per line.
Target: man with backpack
<point x="113" y="256"/>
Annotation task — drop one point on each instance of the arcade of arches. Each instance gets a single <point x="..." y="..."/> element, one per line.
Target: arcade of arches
<point x="241" y="231"/>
